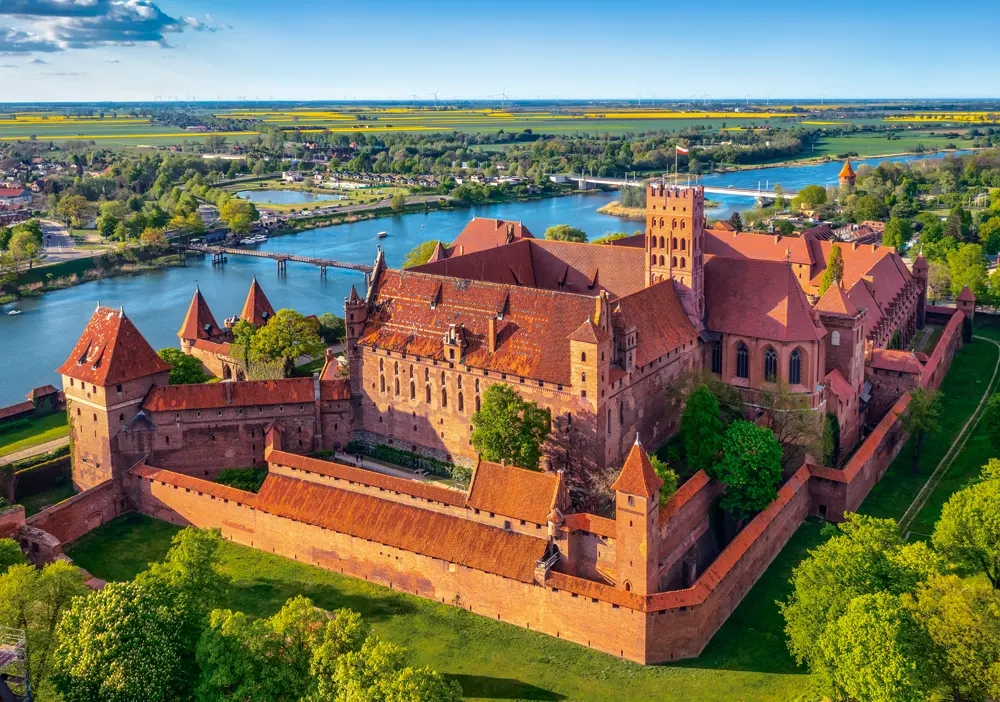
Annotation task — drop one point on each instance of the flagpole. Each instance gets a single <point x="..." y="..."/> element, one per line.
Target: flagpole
<point x="676" y="171"/>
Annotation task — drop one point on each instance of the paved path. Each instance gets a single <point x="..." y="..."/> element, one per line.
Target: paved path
<point x="956" y="448"/>
<point x="59" y="245"/>
<point x="34" y="450"/>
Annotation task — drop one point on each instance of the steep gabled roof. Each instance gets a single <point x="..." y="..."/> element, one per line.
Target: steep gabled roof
<point x="637" y="476"/>
<point x="111" y="351"/>
<point x="257" y="309"/>
<point x="836" y="302"/>
<point x="483" y="233"/>
<point x="966" y="295"/>
<point x="514" y="492"/>
<point x="659" y="319"/>
<point x="759" y="299"/>
<point x="199" y="323"/>
<point x="589" y="333"/>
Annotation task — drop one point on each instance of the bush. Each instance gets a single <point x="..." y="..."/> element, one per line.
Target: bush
<point x="248" y="479"/>
<point x="33" y="461"/>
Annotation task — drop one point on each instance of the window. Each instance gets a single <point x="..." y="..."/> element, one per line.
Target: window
<point x="427" y="397"/>
<point x="652" y="260"/>
<point x="673" y="261"/>
<point x="461" y="402"/>
<point x="663" y="242"/>
<point x="381" y="383"/>
<point x="631" y="501"/>
<point x="381" y="364"/>
<point x="444" y="397"/>
<point x="477" y="403"/>
<point x="770" y="365"/>
<point x="397" y="386"/>
<point x="682" y="224"/>
<point x="742" y="361"/>
<point x="683" y="244"/>
<point x="621" y="414"/>
<point x="674" y="243"/>
<point x="654" y="238"/>
<point x="413" y="391"/>
<point x="583" y="357"/>
<point x="119" y="388"/>
<point x="835" y="338"/>
<point x="795" y="367"/>
<point x="662" y="260"/>
<point x="717" y="357"/>
<point x="683" y="262"/>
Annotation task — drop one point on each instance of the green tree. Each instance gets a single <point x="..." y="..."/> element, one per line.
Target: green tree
<point x="667" y="475"/>
<point x="959" y="224"/>
<point x="153" y="239"/>
<point x="920" y="419"/>
<point x="421" y="253"/>
<point x="10" y="555"/>
<point x="343" y="633"/>
<point x="331" y="327"/>
<point x="509" y="428"/>
<point x="736" y="221"/>
<point x="24" y="246"/>
<point x="938" y="280"/>
<point x="398" y="201"/>
<point x="831" y="439"/>
<point x="867" y="556"/>
<point x="968" y="532"/>
<point x="989" y="235"/>
<point x="897" y="234"/>
<point x="834" y="271"/>
<point x="991" y="420"/>
<point x="962" y="618"/>
<point x="564" y="232"/>
<point x="286" y="336"/>
<point x="74" y="209"/>
<point x="701" y="429"/>
<point x="967" y="266"/>
<point x="750" y="468"/>
<point x="877" y="652"/>
<point x="34" y="600"/>
<point x="240" y="224"/>
<point x="184" y="369"/>
<point x="867" y="208"/>
<point x="811" y="197"/>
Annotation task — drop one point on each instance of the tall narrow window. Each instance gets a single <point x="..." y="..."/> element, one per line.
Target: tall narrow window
<point x="413" y="391"/>
<point x="381" y="383"/>
<point x="427" y="398"/>
<point x="795" y="367"/>
<point x="717" y="357"/>
<point x="609" y="420"/>
<point x="444" y="397"/>
<point x="770" y="365"/>
<point x="742" y="361"/>
<point x="621" y="413"/>
<point x="461" y="402"/>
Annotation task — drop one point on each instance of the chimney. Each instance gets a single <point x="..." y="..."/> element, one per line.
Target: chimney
<point x="491" y="335"/>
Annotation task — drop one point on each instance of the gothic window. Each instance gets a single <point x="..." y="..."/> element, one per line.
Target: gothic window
<point x="673" y="261"/>
<point x="427" y="399"/>
<point x="442" y="378"/>
<point x="427" y="374"/>
<point x="477" y="403"/>
<point x="795" y="367"/>
<point x="654" y="241"/>
<point x="411" y="371"/>
<point x="461" y="402"/>
<point x="835" y="338"/>
<point x="683" y="262"/>
<point x="673" y="225"/>
<point x="395" y="369"/>
<point x="717" y="357"/>
<point x="661" y="260"/>
<point x="683" y="244"/>
<point x="663" y="243"/>
<point x="381" y="383"/>
<point x="621" y="413"/>
<point x="742" y="361"/>
<point x="661" y="223"/>
<point x="673" y="243"/>
<point x="652" y="260"/>
<point x="609" y="420"/>
<point x="413" y="391"/>
<point x="381" y="364"/>
<point x="397" y="386"/>
<point x="682" y="224"/>
<point x="770" y="365"/>
<point x="444" y="397"/>
<point x="459" y="382"/>
<point x="477" y="385"/>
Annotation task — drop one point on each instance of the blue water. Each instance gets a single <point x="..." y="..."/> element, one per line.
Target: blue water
<point x="34" y="343"/>
<point x="285" y="197"/>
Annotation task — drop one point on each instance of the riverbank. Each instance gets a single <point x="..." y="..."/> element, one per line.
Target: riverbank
<point x="820" y="160"/>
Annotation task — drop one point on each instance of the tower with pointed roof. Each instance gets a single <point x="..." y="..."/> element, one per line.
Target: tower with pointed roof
<point x="355" y="316"/>
<point x="105" y="379"/>
<point x="199" y="323"/>
<point x="844" y="351"/>
<point x="675" y="226"/>
<point x="257" y="308"/>
<point x="637" y="519"/>
<point x="847" y="175"/>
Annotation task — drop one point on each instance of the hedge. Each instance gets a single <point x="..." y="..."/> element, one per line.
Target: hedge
<point x="249" y="479"/>
<point x="42" y="476"/>
<point x="37" y="459"/>
<point x="409" y="459"/>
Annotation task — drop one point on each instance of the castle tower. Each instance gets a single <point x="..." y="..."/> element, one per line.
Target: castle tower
<point x="844" y="348"/>
<point x="847" y="176"/>
<point x="920" y="273"/>
<point x="257" y="308"/>
<point x="675" y="229"/>
<point x="355" y="316"/>
<point x="637" y="518"/>
<point x="966" y="303"/>
<point x="199" y="323"/>
<point x="105" y="379"/>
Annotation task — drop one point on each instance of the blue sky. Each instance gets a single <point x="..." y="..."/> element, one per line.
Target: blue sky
<point x="56" y="50"/>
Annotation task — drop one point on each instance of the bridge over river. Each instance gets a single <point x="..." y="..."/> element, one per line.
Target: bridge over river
<point x="758" y="194"/>
<point x="219" y="254"/>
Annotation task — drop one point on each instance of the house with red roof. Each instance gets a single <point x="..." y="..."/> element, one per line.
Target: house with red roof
<point x="15" y="197"/>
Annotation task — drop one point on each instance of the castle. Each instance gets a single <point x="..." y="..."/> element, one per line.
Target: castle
<point x="597" y="334"/>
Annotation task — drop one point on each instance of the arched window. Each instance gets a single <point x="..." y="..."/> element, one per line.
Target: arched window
<point x="795" y="367"/>
<point x="673" y="261"/>
<point x="395" y="369"/>
<point x="682" y="224"/>
<point x="477" y="385"/>
<point x="583" y="356"/>
<point x="673" y="225"/>
<point x="444" y="397"/>
<point x="770" y="365"/>
<point x="654" y="242"/>
<point x="661" y="224"/>
<point x="683" y="244"/>
<point x="663" y="243"/>
<point x="411" y="371"/>
<point x="683" y="262"/>
<point x="742" y="361"/>
<point x="673" y="243"/>
<point x="461" y="402"/>
<point x="427" y="375"/>
<point x="397" y="386"/>
<point x="717" y="357"/>
<point x="477" y="403"/>
<point x="652" y="260"/>
<point x="442" y="377"/>
<point x="661" y="260"/>
<point x="835" y="338"/>
<point x="460" y="381"/>
<point x="427" y="395"/>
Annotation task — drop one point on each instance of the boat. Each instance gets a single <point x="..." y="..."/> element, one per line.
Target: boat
<point x="13" y="312"/>
<point x="250" y="240"/>
<point x="382" y="235"/>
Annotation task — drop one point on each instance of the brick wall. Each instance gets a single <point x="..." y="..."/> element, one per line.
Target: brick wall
<point x="684" y="531"/>
<point x="945" y="350"/>
<point x="11" y="519"/>
<point x="84" y="512"/>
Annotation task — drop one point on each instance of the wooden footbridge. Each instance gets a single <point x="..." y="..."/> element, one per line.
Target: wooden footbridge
<point x="219" y="255"/>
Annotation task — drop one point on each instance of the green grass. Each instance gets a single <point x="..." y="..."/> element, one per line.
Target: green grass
<point x="878" y="145"/>
<point x="746" y="660"/>
<point x="53" y="426"/>
<point x="39" y="501"/>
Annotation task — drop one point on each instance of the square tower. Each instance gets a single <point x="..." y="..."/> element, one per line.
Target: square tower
<point x="675" y="233"/>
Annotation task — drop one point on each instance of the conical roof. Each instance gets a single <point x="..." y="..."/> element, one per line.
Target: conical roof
<point x="835" y="301"/>
<point x="589" y="333"/>
<point x="257" y="309"/>
<point x="966" y="295"/>
<point x="637" y="476"/>
<point x="199" y="323"/>
<point x="110" y="351"/>
<point x="847" y="171"/>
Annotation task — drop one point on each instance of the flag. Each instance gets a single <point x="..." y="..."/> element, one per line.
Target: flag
<point x="682" y="150"/>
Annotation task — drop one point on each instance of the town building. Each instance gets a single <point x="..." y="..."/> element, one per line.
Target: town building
<point x="15" y="197"/>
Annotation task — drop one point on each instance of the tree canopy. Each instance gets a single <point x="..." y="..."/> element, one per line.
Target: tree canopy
<point x="184" y="369"/>
<point x="564" y="232"/>
<point x="286" y="336"/>
<point x="834" y="271"/>
<point x="509" y="428"/>
<point x="750" y="468"/>
<point x="421" y="253"/>
<point x="968" y="531"/>
<point x="920" y="419"/>
<point x="967" y="266"/>
<point x="701" y="429"/>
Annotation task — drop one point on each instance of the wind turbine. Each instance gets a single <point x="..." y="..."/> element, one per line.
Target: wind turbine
<point x="435" y="94"/>
<point x="748" y="99"/>
<point x="415" y="97"/>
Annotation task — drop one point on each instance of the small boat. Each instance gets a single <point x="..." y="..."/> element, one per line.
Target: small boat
<point x="382" y="235"/>
<point x="13" y="312"/>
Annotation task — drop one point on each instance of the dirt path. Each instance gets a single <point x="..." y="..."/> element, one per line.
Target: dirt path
<point x="34" y="450"/>
<point x="956" y="448"/>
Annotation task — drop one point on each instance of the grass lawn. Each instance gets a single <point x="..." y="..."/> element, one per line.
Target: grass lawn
<point x="54" y="426"/>
<point x="37" y="502"/>
<point x="878" y="145"/>
<point x="746" y="660"/>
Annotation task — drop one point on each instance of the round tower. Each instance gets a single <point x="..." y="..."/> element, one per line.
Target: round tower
<point x="847" y="175"/>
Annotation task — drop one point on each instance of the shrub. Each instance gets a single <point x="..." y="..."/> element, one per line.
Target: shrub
<point x="249" y="479"/>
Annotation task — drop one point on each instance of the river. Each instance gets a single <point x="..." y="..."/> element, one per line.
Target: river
<point x="37" y="341"/>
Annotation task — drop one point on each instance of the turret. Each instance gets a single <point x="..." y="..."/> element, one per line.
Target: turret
<point x="847" y="175"/>
<point x="257" y="308"/>
<point x="675" y="226"/>
<point x="637" y="518"/>
<point x="966" y="303"/>
<point x="199" y="323"/>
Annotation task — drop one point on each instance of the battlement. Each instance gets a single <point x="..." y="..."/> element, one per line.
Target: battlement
<point x="661" y="190"/>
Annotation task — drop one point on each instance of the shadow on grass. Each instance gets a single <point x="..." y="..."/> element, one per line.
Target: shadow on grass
<point x="486" y="687"/>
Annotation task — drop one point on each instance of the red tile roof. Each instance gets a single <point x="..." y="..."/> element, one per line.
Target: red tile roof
<point x="111" y="351"/>
<point x="413" y="311"/>
<point x="637" y="476"/>
<point x="589" y="333"/>
<point x="11" y="192"/>
<point x="211" y="347"/>
<point x="42" y="391"/>
<point x="199" y="323"/>
<point x="861" y="295"/>
<point x="838" y="383"/>
<point x="174" y="398"/>
<point x="836" y="302"/>
<point x="514" y="492"/>
<point x="143" y="470"/>
<point x="896" y="360"/>
<point x="14" y="410"/>
<point x="846" y="171"/>
<point x="410" y="528"/>
<point x="966" y="295"/>
<point x="582" y="521"/>
<point x="257" y="309"/>
<point x="363" y="476"/>
<point x="482" y="233"/>
<point x="759" y="299"/>
<point x="339" y="389"/>
<point x="659" y="319"/>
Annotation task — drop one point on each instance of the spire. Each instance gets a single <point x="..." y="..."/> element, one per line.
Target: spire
<point x="257" y="309"/>
<point x="199" y="323"/>
<point x="835" y="301"/>
<point x="637" y="476"/>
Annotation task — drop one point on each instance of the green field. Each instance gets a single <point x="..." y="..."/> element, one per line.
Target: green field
<point x="878" y="145"/>
<point x="746" y="660"/>
<point x="54" y="426"/>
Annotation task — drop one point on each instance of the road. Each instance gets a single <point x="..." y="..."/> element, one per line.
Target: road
<point x="34" y="450"/>
<point x="59" y="245"/>
<point x="385" y="202"/>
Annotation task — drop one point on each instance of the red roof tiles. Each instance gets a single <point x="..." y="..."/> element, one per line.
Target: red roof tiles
<point x="207" y="487"/>
<point x="659" y="319"/>
<point x="111" y="351"/>
<point x="257" y="309"/>
<point x="966" y="295"/>
<point x="836" y="302"/>
<point x="199" y="323"/>
<point x="896" y="360"/>
<point x="589" y="333"/>
<point x="482" y="233"/>
<point x="846" y="171"/>
<point x="637" y="476"/>
<point x="838" y="383"/>
<point x="174" y="398"/>
<point x="582" y="521"/>
<point x="514" y="492"/>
